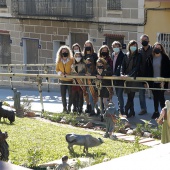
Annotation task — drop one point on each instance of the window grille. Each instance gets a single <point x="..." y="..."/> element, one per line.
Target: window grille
<point x="164" y="39"/>
<point x="114" y="4"/>
<point x="2" y="3"/>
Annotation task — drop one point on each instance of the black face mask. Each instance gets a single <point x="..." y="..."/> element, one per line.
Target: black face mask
<point x="87" y="48"/>
<point x="157" y="51"/>
<point x="65" y="54"/>
<point x="105" y="54"/>
<point x="145" y="43"/>
<point x="100" y="67"/>
<point x="88" y="65"/>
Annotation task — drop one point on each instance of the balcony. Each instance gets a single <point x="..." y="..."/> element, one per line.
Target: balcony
<point x="54" y="8"/>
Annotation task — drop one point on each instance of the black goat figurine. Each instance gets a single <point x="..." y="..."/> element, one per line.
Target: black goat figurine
<point x="7" y="112"/>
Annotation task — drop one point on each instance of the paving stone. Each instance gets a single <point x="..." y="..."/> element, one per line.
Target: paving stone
<point x="144" y="140"/>
<point x="152" y="143"/>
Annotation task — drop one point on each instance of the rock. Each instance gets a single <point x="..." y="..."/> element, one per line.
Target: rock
<point x="29" y="114"/>
<point x="88" y="125"/>
<point x="129" y="132"/>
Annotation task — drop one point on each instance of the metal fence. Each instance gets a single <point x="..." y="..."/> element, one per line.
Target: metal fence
<point x="46" y="76"/>
<point x="56" y="8"/>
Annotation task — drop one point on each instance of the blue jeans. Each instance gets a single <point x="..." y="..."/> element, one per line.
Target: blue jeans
<point x="142" y="99"/>
<point x="119" y="94"/>
<point x="90" y="98"/>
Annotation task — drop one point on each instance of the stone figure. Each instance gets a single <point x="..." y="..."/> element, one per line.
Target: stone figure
<point x="4" y="151"/>
<point x="82" y="140"/>
<point x="64" y="165"/>
<point x="110" y="116"/>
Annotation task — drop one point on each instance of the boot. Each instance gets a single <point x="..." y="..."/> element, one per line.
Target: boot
<point x="92" y="113"/>
<point x="155" y="115"/>
<point x="88" y="109"/>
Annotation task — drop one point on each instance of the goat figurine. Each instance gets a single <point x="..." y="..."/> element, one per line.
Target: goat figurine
<point x="82" y="140"/>
<point x="7" y="112"/>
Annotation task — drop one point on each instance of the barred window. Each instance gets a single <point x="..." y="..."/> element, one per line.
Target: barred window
<point x="113" y="4"/>
<point x="2" y="3"/>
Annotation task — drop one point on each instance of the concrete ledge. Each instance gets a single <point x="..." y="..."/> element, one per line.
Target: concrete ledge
<point x="155" y="158"/>
<point x="8" y="166"/>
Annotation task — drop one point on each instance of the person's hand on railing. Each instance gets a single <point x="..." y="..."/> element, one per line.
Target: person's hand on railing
<point x="88" y="74"/>
<point x="123" y="76"/>
<point x="99" y="77"/>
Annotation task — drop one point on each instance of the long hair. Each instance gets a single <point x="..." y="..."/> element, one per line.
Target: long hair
<point x="92" y="48"/>
<point x="78" y="45"/>
<point x="59" y="53"/>
<point x="102" y="61"/>
<point x="131" y="43"/>
<point x="103" y="46"/>
<point x="162" y="49"/>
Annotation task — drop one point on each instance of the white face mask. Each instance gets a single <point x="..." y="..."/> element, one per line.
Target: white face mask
<point x="78" y="59"/>
<point x="76" y="51"/>
<point x="116" y="50"/>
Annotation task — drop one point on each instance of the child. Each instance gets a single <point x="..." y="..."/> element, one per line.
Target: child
<point x="64" y="165"/>
<point x="164" y="119"/>
<point x="110" y="115"/>
<point x="78" y="68"/>
<point x="104" y="70"/>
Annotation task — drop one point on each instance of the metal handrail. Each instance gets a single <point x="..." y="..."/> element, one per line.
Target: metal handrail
<point x="39" y="78"/>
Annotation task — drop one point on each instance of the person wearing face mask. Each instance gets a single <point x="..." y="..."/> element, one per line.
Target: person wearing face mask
<point x="117" y="57"/>
<point x="105" y="93"/>
<point x="89" y="52"/>
<point x="158" y="65"/>
<point x="64" y="60"/>
<point x="76" y="48"/>
<point x="131" y="68"/>
<point x="104" y="52"/>
<point x="146" y="51"/>
<point x="78" y="68"/>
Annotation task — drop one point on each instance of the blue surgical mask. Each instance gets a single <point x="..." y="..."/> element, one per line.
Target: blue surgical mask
<point x="116" y="50"/>
<point x="133" y="48"/>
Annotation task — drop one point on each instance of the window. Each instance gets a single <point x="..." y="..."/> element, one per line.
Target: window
<point x="79" y="38"/>
<point x="164" y="39"/>
<point x="5" y="49"/>
<point x="3" y="4"/>
<point x="113" y="4"/>
<point x="113" y="37"/>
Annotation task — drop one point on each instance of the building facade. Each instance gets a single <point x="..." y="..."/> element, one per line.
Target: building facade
<point x="157" y="25"/>
<point x="31" y="31"/>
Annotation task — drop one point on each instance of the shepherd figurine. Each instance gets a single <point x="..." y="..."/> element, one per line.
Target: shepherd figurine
<point x="110" y="116"/>
<point x="164" y="120"/>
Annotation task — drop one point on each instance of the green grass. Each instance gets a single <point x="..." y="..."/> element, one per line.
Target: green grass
<point x="31" y="139"/>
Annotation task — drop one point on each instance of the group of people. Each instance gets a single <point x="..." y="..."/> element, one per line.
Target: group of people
<point x="146" y="61"/>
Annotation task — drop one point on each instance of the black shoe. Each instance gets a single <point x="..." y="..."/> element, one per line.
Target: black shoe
<point x="88" y="109"/>
<point x="65" y="110"/>
<point x="155" y="115"/>
<point x="74" y="110"/>
<point x="92" y="113"/>
<point x="142" y="112"/>
<point x="131" y="114"/>
<point x="98" y="112"/>
<point x="101" y="118"/>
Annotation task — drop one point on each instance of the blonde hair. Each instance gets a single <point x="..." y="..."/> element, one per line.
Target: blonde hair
<point x="59" y="53"/>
